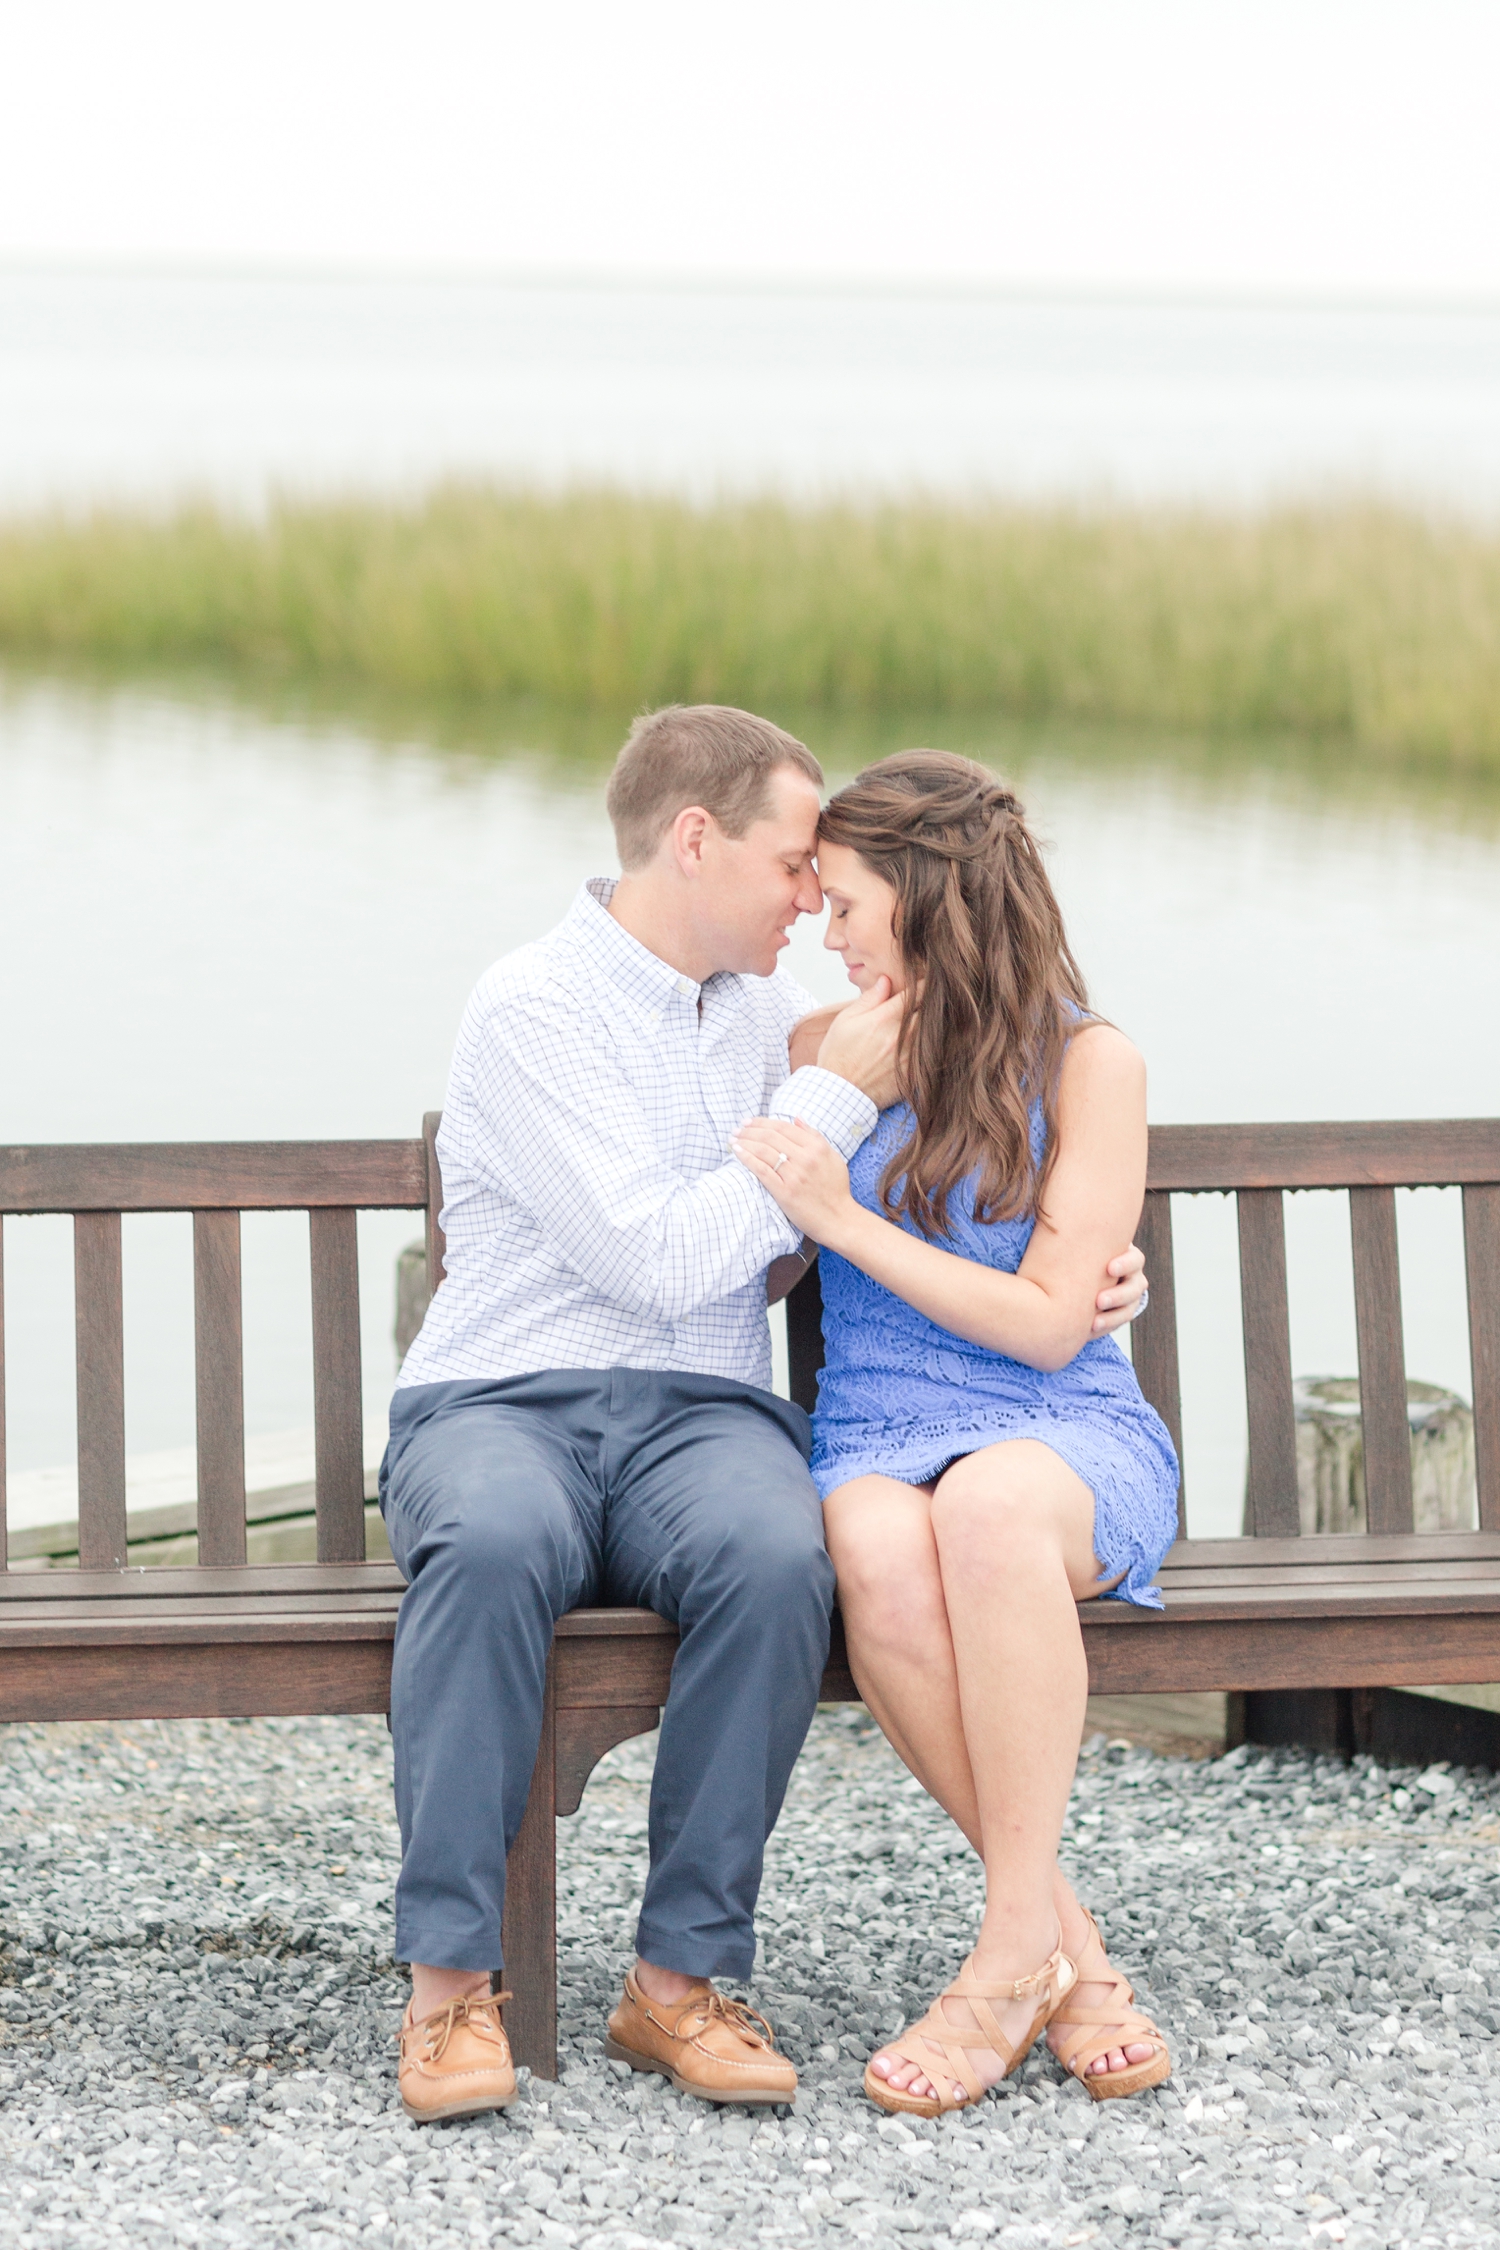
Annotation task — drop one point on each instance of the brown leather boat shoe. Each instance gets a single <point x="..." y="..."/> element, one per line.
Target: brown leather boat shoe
<point x="716" y="2049"/>
<point x="456" y="2062"/>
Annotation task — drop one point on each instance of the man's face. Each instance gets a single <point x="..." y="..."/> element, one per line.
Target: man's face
<point x="753" y="887"/>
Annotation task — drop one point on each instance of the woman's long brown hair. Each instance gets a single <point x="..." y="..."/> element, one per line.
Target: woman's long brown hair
<point x="998" y="992"/>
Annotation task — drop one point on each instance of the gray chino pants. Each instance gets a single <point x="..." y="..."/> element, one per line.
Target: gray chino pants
<point x="510" y="1502"/>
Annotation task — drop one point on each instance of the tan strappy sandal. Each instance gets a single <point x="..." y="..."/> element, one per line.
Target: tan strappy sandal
<point x="938" y="2048"/>
<point x="1089" y="2032"/>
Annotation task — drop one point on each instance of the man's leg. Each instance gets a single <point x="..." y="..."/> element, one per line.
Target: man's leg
<point x="713" y="1522"/>
<point x="493" y="1514"/>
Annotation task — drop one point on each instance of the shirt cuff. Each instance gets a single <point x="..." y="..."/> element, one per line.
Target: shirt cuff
<point x="830" y="1104"/>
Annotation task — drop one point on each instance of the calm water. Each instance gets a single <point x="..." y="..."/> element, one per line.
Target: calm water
<point x="145" y="384"/>
<point x="223" y="921"/>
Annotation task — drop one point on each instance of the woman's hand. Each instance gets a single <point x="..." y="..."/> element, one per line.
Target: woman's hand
<point x="1114" y="1307"/>
<point x="805" y="1173"/>
<point x="1044" y="1313"/>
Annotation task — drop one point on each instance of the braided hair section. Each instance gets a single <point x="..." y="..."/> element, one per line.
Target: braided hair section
<point x="994" y="993"/>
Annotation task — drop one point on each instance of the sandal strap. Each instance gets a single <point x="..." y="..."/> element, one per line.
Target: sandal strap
<point x="1113" y="2022"/>
<point x="1095" y="2035"/>
<point x="937" y="2062"/>
<point x="951" y="2045"/>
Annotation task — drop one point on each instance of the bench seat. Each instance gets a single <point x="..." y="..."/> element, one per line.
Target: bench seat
<point x="1206" y="1584"/>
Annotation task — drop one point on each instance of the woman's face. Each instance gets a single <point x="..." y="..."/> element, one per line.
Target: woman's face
<point x="860" y="907"/>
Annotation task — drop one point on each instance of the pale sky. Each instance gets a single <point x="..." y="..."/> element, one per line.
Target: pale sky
<point x="1309" y="146"/>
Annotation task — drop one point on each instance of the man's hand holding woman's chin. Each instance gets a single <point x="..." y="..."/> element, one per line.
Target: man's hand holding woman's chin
<point x="861" y="1041"/>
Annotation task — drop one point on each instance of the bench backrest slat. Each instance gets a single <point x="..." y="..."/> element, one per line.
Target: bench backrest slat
<point x="1397" y="1152"/>
<point x="1482" y="1259"/>
<point x="338" y="1396"/>
<point x="4" y="1533"/>
<point x="437" y="1247"/>
<point x="5" y="1537"/>
<point x="215" y="1181"/>
<point x="1270" y="1414"/>
<point x="804" y="1339"/>
<point x="99" y="1320"/>
<point x="1384" y="1429"/>
<point x="1154" y="1339"/>
<point x="219" y="1356"/>
<point x="214" y="1176"/>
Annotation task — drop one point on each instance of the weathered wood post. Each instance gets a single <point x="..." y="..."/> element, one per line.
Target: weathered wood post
<point x="1331" y="1462"/>
<point x="412" y="1296"/>
<point x="1331" y="1497"/>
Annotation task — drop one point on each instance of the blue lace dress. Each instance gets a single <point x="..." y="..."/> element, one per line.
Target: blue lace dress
<point x="901" y="1397"/>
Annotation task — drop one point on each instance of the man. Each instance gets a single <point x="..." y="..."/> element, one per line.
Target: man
<point x="587" y="1413"/>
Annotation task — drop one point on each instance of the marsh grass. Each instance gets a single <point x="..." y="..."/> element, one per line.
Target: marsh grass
<point x="1361" y="622"/>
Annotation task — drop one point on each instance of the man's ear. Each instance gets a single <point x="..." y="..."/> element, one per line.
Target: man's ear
<point x="689" y="833"/>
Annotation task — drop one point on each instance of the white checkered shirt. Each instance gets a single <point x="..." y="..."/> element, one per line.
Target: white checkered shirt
<point x="594" y="1214"/>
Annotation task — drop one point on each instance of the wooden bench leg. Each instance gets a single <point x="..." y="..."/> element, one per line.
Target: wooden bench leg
<point x="1383" y="1723"/>
<point x="529" y="1936"/>
<point x="572" y="1743"/>
<point x="1397" y="1729"/>
<point x="1305" y="1718"/>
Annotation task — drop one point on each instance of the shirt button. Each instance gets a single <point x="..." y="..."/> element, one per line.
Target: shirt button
<point x="684" y="984"/>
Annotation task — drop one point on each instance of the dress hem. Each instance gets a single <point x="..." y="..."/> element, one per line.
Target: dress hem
<point x="1135" y="1570"/>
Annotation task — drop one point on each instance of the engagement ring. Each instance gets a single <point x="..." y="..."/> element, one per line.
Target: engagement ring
<point x="781" y="1159"/>
<point x="1140" y="1308"/>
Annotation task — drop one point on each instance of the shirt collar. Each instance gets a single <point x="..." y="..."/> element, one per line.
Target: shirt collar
<point x="610" y="951"/>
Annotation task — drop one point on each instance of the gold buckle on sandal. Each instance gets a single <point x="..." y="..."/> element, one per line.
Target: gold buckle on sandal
<point x="1024" y="1986"/>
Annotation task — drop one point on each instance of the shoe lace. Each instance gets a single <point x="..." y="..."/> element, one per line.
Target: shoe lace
<point x="438" y="2029"/>
<point x="714" y="2007"/>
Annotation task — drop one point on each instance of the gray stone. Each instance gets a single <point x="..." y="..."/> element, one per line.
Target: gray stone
<point x="1316" y="1940"/>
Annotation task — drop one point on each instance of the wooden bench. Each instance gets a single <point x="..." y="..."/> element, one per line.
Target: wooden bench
<point x="1273" y="1613"/>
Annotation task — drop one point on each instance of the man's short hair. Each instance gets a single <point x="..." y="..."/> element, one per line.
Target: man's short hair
<point x="704" y="754"/>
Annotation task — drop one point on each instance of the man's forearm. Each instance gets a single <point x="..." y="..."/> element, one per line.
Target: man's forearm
<point x="834" y="1106"/>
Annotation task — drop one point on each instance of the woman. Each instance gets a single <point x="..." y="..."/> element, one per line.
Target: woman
<point x="986" y="1462"/>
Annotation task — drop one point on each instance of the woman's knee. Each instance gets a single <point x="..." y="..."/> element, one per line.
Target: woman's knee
<point x="889" y="1588"/>
<point x="896" y="1620"/>
<point x="1003" y="1505"/>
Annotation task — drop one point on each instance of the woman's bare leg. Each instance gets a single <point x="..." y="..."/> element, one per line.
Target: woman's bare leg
<point x="890" y="1585"/>
<point x="885" y="1541"/>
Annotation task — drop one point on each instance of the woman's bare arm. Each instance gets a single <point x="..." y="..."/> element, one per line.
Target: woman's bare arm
<point x="1044" y="1314"/>
<point x="808" y="1034"/>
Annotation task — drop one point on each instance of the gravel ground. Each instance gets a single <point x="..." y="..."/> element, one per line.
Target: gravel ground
<point x="197" y="2000"/>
